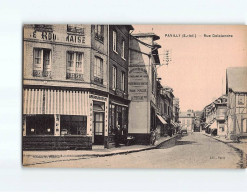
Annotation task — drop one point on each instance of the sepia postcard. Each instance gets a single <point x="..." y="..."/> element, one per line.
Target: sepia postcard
<point x="134" y="96"/>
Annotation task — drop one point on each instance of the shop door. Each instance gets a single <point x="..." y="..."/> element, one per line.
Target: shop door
<point x="99" y="128"/>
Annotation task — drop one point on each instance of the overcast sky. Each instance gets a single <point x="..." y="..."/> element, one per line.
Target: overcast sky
<point x="198" y="68"/>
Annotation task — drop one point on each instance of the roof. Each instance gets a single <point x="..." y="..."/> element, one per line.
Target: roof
<point x="155" y="37"/>
<point x="236" y="78"/>
<point x="186" y="115"/>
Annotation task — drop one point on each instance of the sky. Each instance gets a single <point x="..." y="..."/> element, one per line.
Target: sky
<point x="197" y="71"/>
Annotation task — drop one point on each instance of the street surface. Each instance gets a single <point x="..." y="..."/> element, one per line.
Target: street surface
<point x="191" y="151"/>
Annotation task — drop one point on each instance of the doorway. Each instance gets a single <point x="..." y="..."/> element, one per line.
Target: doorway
<point x="98" y="128"/>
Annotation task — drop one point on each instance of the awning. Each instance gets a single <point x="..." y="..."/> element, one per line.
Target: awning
<point x="173" y="123"/>
<point x="162" y="120"/>
<point x="213" y="125"/>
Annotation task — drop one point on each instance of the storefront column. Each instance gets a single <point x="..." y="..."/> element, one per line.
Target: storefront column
<point x="56" y="125"/>
<point x="90" y="119"/>
<point x="24" y="126"/>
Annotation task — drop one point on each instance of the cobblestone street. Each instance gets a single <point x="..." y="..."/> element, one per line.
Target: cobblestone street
<point x="191" y="151"/>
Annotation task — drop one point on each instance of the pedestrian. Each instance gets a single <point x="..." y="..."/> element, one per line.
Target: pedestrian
<point x="152" y="137"/>
<point x="117" y="136"/>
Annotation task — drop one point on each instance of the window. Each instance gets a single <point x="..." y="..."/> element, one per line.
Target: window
<point x="42" y="62"/>
<point x="98" y="70"/>
<point x="244" y="125"/>
<point x="40" y="124"/>
<point x="73" y="125"/>
<point x="114" y="77"/>
<point x="115" y="41"/>
<point x="74" y="65"/>
<point x="123" y="49"/>
<point x="99" y="32"/>
<point x="123" y="81"/>
<point x="241" y="100"/>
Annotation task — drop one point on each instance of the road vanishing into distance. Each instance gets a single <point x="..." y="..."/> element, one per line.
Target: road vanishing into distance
<point x="190" y="151"/>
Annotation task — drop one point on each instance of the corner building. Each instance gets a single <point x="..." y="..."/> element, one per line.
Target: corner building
<point x="65" y="86"/>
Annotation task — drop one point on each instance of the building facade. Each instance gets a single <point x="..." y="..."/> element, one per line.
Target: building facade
<point x="118" y="79"/>
<point x="142" y="85"/>
<point x="236" y="90"/>
<point x="167" y="106"/>
<point x="67" y="93"/>
<point x="187" y="121"/>
<point x="215" y="117"/>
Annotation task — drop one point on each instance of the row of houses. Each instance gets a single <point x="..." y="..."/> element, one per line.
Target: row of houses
<point x="227" y="115"/>
<point x="83" y="83"/>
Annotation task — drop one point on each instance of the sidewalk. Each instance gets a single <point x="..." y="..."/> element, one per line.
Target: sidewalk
<point x="242" y="146"/>
<point x="34" y="157"/>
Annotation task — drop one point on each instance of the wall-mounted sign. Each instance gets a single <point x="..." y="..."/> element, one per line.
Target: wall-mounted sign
<point x="138" y="83"/>
<point x="96" y="97"/>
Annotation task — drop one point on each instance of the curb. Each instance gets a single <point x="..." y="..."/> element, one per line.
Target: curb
<point x="227" y="143"/>
<point x="121" y="152"/>
<point x="128" y="151"/>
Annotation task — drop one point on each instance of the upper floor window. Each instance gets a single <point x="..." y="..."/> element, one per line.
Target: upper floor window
<point x="114" y="41"/>
<point x="75" y="29"/>
<point x="123" y="49"/>
<point x="74" y="65"/>
<point x="98" y="70"/>
<point x="123" y="81"/>
<point x="42" y="62"/>
<point x="99" y="32"/>
<point x="241" y="101"/>
<point x="114" y="77"/>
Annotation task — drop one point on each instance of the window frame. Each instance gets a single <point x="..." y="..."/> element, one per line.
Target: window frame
<point x="45" y="69"/>
<point x="123" y="81"/>
<point x="123" y="50"/>
<point x="73" y="71"/>
<point x="99" y="35"/>
<point x="114" y="77"/>
<point x="114" y="41"/>
<point x="98" y="70"/>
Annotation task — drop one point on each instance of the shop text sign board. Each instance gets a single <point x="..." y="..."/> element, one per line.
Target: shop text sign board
<point x="138" y="83"/>
<point x="59" y="33"/>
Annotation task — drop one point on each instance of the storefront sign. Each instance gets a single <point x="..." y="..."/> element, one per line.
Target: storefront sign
<point x="138" y="83"/>
<point x="96" y="97"/>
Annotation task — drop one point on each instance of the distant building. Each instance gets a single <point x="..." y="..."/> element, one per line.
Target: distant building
<point x="165" y="102"/>
<point x="236" y="90"/>
<point x="197" y="126"/>
<point x="187" y="120"/>
<point x="215" y="117"/>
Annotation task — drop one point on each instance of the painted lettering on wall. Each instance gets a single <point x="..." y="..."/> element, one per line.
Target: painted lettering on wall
<point x="75" y="39"/>
<point x="138" y="84"/>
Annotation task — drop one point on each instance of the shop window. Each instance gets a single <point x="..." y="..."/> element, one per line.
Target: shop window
<point x="75" y="65"/>
<point x="73" y="125"/>
<point x="123" y="50"/>
<point x="42" y="62"/>
<point x="114" y="77"/>
<point x="99" y="32"/>
<point x="40" y="125"/>
<point x="114" y="41"/>
<point x="123" y="81"/>
<point x="98" y="70"/>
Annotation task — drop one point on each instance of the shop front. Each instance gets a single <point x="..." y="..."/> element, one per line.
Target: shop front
<point x="118" y="123"/>
<point x="56" y="119"/>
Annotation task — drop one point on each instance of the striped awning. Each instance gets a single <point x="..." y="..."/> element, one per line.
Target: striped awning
<point x="48" y="101"/>
<point x="173" y="123"/>
<point x="162" y="120"/>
